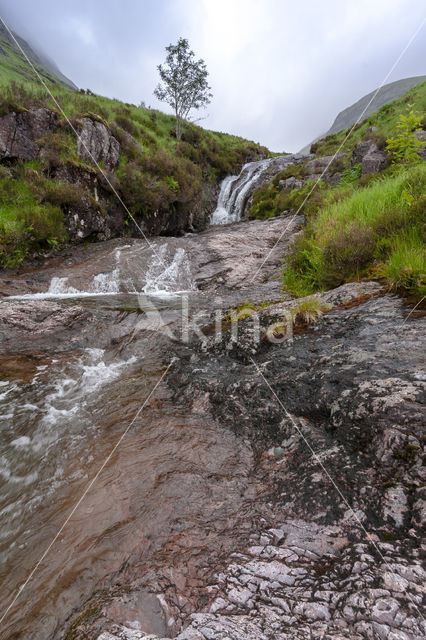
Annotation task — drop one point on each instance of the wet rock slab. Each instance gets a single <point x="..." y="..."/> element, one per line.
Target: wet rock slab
<point x="342" y="559"/>
<point x="28" y="326"/>
<point x="337" y="552"/>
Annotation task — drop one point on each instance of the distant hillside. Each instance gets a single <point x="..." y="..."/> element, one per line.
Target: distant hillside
<point x="388" y="93"/>
<point x="14" y="66"/>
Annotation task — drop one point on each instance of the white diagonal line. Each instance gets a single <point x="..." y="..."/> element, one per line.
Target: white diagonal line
<point x="84" y="494"/>
<point x="331" y="479"/>
<point x="417" y="31"/>
<point x="113" y="189"/>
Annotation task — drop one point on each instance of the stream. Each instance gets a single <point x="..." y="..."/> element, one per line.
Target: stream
<point x="85" y="339"/>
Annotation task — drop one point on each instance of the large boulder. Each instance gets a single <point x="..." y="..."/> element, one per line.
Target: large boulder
<point x="290" y="183"/>
<point x="19" y="132"/>
<point x="370" y="156"/>
<point x="96" y="144"/>
<point x="328" y="168"/>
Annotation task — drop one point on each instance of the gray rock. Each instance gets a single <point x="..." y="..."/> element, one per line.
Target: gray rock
<point x="96" y="144"/>
<point x="318" y="165"/>
<point x="19" y="132"/>
<point x="290" y="183"/>
<point x="374" y="162"/>
<point x="421" y="135"/>
<point x="370" y="156"/>
<point x="395" y="505"/>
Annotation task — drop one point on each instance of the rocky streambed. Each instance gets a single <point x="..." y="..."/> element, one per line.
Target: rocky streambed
<point x="270" y="485"/>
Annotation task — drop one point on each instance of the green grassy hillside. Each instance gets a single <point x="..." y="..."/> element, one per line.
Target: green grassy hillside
<point x="363" y="226"/>
<point x="15" y="66"/>
<point x="387" y="93"/>
<point x="384" y="120"/>
<point x="165" y="177"/>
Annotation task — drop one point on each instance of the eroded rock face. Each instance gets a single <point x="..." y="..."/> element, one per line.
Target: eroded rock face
<point x="99" y="215"/>
<point x="342" y="557"/>
<point x="96" y="144"/>
<point x="19" y="132"/>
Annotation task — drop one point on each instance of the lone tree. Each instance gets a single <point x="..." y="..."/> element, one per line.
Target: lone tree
<point x="185" y="84"/>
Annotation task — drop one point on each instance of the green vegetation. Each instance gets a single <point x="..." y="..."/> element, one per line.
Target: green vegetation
<point x="164" y="176"/>
<point x="270" y="200"/>
<point x="245" y="310"/>
<point x="14" y="64"/>
<point x="371" y="103"/>
<point x="373" y="231"/>
<point x="385" y="121"/>
<point x="309" y="310"/>
<point x="28" y="220"/>
<point x="406" y="146"/>
<point x="364" y="226"/>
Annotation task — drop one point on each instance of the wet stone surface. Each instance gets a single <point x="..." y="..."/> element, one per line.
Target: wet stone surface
<point x="271" y="490"/>
<point x="335" y="551"/>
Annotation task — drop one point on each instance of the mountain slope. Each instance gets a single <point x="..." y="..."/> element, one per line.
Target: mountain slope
<point x="14" y="66"/>
<point x="387" y="93"/>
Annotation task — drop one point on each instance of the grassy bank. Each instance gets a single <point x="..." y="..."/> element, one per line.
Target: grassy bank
<point x="373" y="231"/>
<point x="363" y="226"/>
<point x="163" y="176"/>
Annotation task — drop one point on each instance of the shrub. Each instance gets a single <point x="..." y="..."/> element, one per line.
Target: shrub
<point x="346" y="253"/>
<point x="32" y="228"/>
<point x="405" y="146"/>
<point x="351" y="174"/>
<point x="62" y="194"/>
<point x="125" y="123"/>
<point x="268" y="201"/>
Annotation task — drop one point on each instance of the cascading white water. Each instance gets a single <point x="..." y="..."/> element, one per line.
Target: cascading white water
<point x="102" y="283"/>
<point x="166" y="273"/>
<point x="221" y="214"/>
<point x="235" y="190"/>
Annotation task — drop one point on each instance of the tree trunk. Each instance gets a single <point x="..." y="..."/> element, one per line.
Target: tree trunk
<point x="178" y="126"/>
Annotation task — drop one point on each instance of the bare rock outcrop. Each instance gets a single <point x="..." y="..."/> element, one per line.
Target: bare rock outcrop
<point x="96" y="144"/>
<point x="19" y="132"/>
<point x="372" y="159"/>
<point x="335" y="415"/>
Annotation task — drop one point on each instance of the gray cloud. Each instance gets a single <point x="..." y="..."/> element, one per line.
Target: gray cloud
<point x="280" y="70"/>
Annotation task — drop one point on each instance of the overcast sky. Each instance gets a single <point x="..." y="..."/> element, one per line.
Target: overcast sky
<point x="280" y="70"/>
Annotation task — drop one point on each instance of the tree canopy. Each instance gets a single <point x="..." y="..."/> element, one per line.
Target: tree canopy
<point x="184" y="82"/>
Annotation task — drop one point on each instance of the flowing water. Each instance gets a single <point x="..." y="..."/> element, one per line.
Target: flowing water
<point x="235" y="191"/>
<point x="67" y="395"/>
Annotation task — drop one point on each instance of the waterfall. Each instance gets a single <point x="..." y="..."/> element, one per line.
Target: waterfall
<point x="235" y="191"/>
<point x="221" y="214"/>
